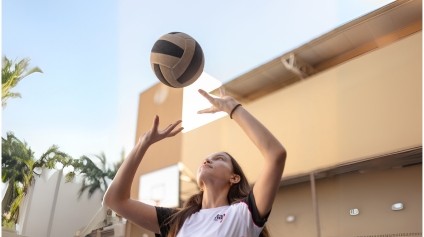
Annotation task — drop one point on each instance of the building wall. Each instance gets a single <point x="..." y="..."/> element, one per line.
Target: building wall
<point x="368" y="106"/>
<point x="373" y="193"/>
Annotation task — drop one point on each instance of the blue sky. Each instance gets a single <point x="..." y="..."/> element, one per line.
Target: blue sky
<point x="95" y="57"/>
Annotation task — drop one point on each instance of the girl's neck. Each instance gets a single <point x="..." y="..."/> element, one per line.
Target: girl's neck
<point x="213" y="197"/>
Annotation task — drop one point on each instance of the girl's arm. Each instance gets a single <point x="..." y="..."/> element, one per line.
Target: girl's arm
<point x="268" y="182"/>
<point x="117" y="196"/>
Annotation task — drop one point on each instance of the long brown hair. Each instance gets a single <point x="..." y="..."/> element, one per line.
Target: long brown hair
<point x="236" y="193"/>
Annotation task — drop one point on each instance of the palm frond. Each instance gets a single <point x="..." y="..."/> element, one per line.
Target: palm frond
<point x="12" y="73"/>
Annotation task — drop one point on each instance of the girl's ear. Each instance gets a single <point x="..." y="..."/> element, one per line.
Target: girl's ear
<point x="235" y="178"/>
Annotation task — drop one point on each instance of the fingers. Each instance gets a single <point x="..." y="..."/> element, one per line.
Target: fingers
<point x="208" y="110"/>
<point x="222" y="91"/>
<point x="155" y="123"/>
<point x="207" y="96"/>
<point x="172" y="126"/>
<point x="175" y="132"/>
<point x="169" y="131"/>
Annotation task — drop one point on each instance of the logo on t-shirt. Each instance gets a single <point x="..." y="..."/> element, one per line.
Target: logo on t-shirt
<point x="219" y="218"/>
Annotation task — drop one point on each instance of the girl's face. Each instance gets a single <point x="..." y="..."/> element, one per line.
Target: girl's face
<point x="216" y="168"/>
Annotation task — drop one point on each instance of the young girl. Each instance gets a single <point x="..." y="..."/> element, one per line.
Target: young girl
<point x="225" y="205"/>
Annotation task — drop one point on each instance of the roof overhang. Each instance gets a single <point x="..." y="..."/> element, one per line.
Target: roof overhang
<point x="369" y="32"/>
<point x="395" y="160"/>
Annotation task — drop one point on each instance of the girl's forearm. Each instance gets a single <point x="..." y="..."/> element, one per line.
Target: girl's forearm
<point x="120" y="188"/>
<point x="263" y="139"/>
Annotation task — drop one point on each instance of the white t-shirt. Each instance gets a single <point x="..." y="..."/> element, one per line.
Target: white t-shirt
<point x="237" y="220"/>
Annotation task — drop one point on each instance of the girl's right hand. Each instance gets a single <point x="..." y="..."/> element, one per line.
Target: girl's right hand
<point x="154" y="134"/>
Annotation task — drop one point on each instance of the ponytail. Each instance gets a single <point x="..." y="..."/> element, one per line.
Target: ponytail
<point x="176" y="221"/>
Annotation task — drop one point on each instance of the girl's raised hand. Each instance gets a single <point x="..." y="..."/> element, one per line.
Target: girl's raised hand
<point x="223" y="103"/>
<point x="155" y="135"/>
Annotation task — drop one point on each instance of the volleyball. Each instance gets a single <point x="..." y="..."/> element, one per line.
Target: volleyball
<point x="177" y="59"/>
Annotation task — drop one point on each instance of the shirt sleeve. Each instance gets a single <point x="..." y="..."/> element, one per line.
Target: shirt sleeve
<point x="251" y="203"/>
<point x="163" y="214"/>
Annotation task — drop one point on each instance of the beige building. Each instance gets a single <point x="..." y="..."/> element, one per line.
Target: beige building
<point x="348" y="108"/>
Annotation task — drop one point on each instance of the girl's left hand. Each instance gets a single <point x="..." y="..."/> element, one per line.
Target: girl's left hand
<point x="223" y="103"/>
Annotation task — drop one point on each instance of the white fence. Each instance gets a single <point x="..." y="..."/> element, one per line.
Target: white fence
<point x="52" y="207"/>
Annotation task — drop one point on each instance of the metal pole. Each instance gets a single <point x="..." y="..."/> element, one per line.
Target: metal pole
<point x="315" y="203"/>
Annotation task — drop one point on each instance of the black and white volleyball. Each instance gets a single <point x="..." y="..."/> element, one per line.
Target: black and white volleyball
<point x="177" y="59"/>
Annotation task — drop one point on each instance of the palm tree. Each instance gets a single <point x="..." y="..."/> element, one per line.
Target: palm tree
<point x="12" y="73"/>
<point x="19" y="168"/>
<point x="16" y="162"/>
<point x="94" y="177"/>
